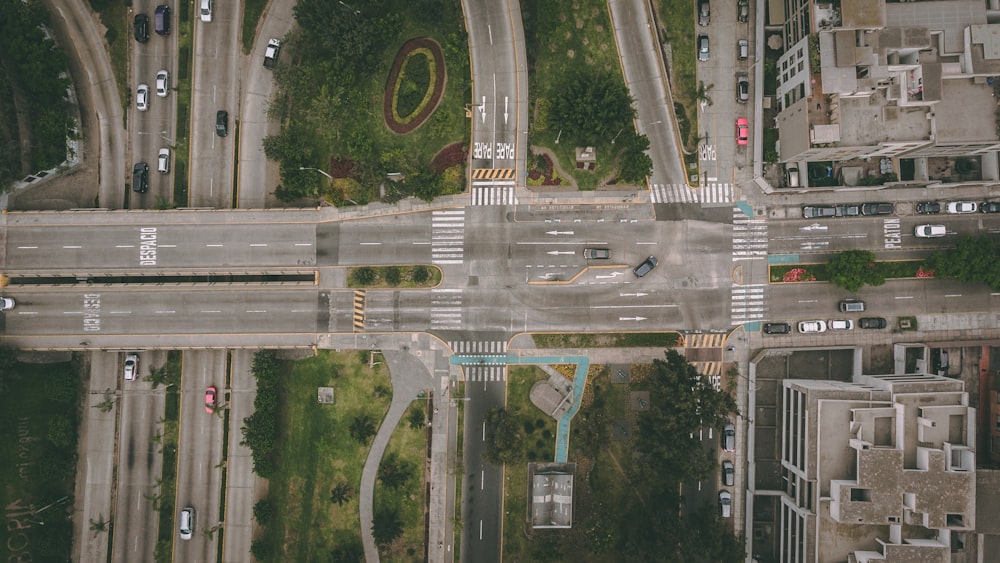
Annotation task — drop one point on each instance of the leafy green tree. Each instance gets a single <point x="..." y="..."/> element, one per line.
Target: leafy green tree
<point x="393" y="276"/>
<point x="61" y="385"/>
<point x="394" y="472"/>
<point x="635" y="163"/>
<point x="364" y="275"/>
<point x="591" y="108"/>
<point x="852" y="269"/>
<point x="386" y="526"/>
<point x="264" y="511"/>
<point x="347" y="550"/>
<point x="416" y="417"/>
<point x="421" y="274"/>
<point x="505" y="438"/>
<point x="262" y="549"/>
<point x="362" y="428"/>
<point x="974" y="259"/>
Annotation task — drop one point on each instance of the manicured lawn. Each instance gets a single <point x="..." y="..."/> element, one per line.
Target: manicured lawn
<point x="408" y="444"/>
<point x="679" y="20"/>
<point x="607" y="340"/>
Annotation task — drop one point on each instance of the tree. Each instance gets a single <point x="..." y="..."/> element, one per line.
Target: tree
<point x="974" y="259"/>
<point x="261" y="549"/>
<point x="363" y="275"/>
<point x="635" y="163"/>
<point x="362" y="428"/>
<point x="420" y="274"/>
<point x="416" y="417"/>
<point x="100" y="525"/>
<point x="852" y="269"/>
<point x="394" y="472"/>
<point x="393" y="276"/>
<point x="263" y="511"/>
<point x="108" y="403"/>
<point x="505" y="438"/>
<point x="348" y="551"/>
<point x="591" y="109"/>
<point x="702" y="93"/>
<point x="386" y="526"/>
<point x="341" y="493"/>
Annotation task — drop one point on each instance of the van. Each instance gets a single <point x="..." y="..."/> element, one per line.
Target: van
<point x="206" y="11"/>
<point x="186" y="523"/>
<point x="792" y="176"/>
<point x="852" y="306"/>
<point x="161" y="20"/>
<point x="742" y="49"/>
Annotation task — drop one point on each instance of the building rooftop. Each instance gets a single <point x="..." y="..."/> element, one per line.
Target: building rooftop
<point x="951" y="17"/>
<point x="551" y="494"/>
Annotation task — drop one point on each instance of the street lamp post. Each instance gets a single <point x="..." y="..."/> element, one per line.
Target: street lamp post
<point x="616" y="136"/>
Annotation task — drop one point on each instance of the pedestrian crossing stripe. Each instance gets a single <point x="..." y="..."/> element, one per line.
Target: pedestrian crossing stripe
<point x="493" y="174"/>
<point x="710" y="369"/>
<point x="359" y="310"/>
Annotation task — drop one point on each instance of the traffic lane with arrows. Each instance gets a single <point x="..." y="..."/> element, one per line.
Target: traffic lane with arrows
<point x="882" y="233"/>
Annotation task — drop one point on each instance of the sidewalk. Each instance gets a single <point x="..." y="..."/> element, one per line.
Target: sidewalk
<point x="241" y="482"/>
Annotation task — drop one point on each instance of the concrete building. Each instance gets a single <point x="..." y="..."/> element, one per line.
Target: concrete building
<point x="551" y="502"/>
<point x="881" y="468"/>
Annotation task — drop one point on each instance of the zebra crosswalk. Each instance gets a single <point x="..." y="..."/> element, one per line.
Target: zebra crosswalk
<point x="748" y="303"/>
<point x="446" y="308"/>
<point x="448" y="236"/>
<point x="709" y="192"/>
<point x="749" y="237"/>
<point x="489" y="359"/>
<point x="493" y="195"/>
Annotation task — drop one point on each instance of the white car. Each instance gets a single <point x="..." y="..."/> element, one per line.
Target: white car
<point x="142" y="97"/>
<point x="162" y="83"/>
<point x="961" y="207"/>
<point x="185" y="524"/>
<point x="840" y="324"/>
<point x="725" y="504"/>
<point x="206" y="11"/>
<point x="131" y="366"/>
<point x="929" y="231"/>
<point x="271" y="53"/>
<point x="6" y="303"/>
<point x="163" y="161"/>
<point x="807" y="327"/>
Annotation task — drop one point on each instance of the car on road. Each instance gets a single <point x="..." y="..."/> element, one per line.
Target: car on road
<point x="206" y="11"/>
<point x="840" y="324"/>
<point x="928" y="207"/>
<point x="141" y="28"/>
<point x="140" y="177"/>
<point x="777" y="328"/>
<point x="161" y="20"/>
<point x="849" y="210"/>
<point x="725" y="504"/>
<point x="162" y="83"/>
<point x="704" y="13"/>
<point x="6" y="303"/>
<point x="131" y="366"/>
<point x="702" y="47"/>
<point x="729" y="437"/>
<point x="743" y="10"/>
<point x="271" y="53"/>
<point x="163" y="161"/>
<point x="877" y="208"/>
<point x="818" y="211"/>
<point x="812" y="327"/>
<point x="728" y="473"/>
<point x="961" y="207"/>
<point x="646" y="267"/>
<point x="142" y="97"/>
<point x="742" y="87"/>
<point x="222" y="123"/>
<point x="186" y="523"/>
<point x="596" y="253"/>
<point x="210" y="399"/>
<point x="929" y="231"/>
<point x="990" y="207"/>
<point x="852" y="306"/>
<point x="872" y="322"/>
<point x="742" y="131"/>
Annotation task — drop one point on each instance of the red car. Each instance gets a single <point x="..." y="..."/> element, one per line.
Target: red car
<point x="210" y="399"/>
<point x="742" y="131"/>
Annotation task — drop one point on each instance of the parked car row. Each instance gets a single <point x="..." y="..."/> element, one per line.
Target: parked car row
<point x="819" y="326"/>
<point x="728" y="443"/>
<point x="848" y="210"/>
<point x="958" y="207"/>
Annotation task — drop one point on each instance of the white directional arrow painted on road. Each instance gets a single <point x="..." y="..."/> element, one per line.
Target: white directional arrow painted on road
<point x="814" y="227"/>
<point x="482" y="109"/>
<point x="505" y="110"/>
<point x="613" y="275"/>
<point x="559" y="232"/>
<point x="631" y="318"/>
<point x="639" y="294"/>
<point x="558" y="252"/>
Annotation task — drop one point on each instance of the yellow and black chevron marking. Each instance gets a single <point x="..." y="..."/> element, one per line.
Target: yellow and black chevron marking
<point x="708" y="369"/>
<point x="712" y="340"/>
<point x="359" y="310"/>
<point x="493" y="174"/>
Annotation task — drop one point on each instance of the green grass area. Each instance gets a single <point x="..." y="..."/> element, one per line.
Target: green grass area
<point x="896" y="269"/>
<point x="182" y="90"/>
<point x="165" y="497"/>
<point x="564" y="39"/>
<point x="678" y="19"/>
<point x="252" y="11"/>
<point x="116" y="17"/>
<point x="39" y="410"/>
<point x="315" y="453"/>
<point x="408" y="445"/>
<point x="394" y="276"/>
<point x="607" y="340"/>
<point x="770" y="145"/>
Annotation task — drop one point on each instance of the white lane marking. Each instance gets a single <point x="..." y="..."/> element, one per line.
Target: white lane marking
<point x="482" y="479"/>
<point x="633" y="306"/>
<point x="484" y="430"/>
<point x="371" y="244"/>
<point x="27" y="247"/>
<point x="480" y="529"/>
<point x="214" y="245"/>
<point x="124" y="246"/>
<point x="303" y="244"/>
<point x="27" y="312"/>
<point x="257" y="244"/>
<point x="953" y="295"/>
<point x="256" y="311"/>
<point x="165" y="312"/>
<point x="72" y="246"/>
<point x="168" y="246"/>
<point x="210" y="311"/>
<point x="904" y="297"/>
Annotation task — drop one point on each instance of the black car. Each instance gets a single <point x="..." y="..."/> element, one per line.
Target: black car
<point x="848" y="210"/>
<point x="818" y="211"/>
<point x="140" y="177"/>
<point x="777" y="328"/>
<point x="872" y="322"/>
<point x="222" y="123"/>
<point x="743" y="10"/>
<point x="990" y="207"/>
<point x="928" y="207"/>
<point x="877" y="208"/>
<point x="141" y="26"/>
<point x="646" y="267"/>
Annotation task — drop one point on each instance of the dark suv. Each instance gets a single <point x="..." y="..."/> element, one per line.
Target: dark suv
<point x="872" y="322"/>
<point x="990" y="207"/>
<point x="777" y="328"/>
<point x="141" y="26"/>
<point x="140" y="177"/>
<point x="928" y="207"/>
<point x="877" y="208"/>
<point x="222" y="123"/>
<point x="816" y="211"/>
<point x="646" y="267"/>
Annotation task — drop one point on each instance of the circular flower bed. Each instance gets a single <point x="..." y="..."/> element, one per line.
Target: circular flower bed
<point x="425" y="61"/>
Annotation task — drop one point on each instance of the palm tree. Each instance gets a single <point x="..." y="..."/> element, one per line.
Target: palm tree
<point x="341" y="494"/>
<point x="99" y="525"/>
<point x="702" y="93"/>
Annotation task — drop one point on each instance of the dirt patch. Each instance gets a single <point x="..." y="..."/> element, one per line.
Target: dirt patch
<point x="390" y="85"/>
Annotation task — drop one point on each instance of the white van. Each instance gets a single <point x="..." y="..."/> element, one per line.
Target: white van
<point x="792" y="176"/>
<point x="742" y="49"/>
<point x="186" y="525"/>
<point x="206" y="10"/>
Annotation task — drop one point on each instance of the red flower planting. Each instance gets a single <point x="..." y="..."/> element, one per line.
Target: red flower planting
<point x="922" y="273"/>
<point x="797" y="274"/>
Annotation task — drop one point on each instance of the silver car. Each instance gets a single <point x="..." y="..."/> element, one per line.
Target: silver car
<point x="725" y="504"/>
<point x="729" y="438"/>
<point x="142" y="97"/>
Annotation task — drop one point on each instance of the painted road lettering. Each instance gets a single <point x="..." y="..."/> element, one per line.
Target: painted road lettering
<point x="505" y="150"/>
<point x="91" y="312"/>
<point x="891" y="230"/>
<point x="147" y="246"/>
<point x="482" y="150"/>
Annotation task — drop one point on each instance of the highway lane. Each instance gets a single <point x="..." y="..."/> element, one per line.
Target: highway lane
<point x="199" y="454"/>
<point x="482" y="506"/>
<point x="240" y="479"/>
<point x="140" y="462"/>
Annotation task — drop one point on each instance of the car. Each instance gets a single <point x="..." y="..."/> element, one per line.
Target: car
<point x="186" y="523"/>
<point x="222" y="123"/>
<point x="929" y="231"/>
<point x="852" y="306"/>
<point x="728" y="473"/>
<point x="161" y="20"/>
<point x="840" y="324"/>
<point x="140" y="26"/>
<point x="990" y="207"/>
<point x="928" y="207"/>
<point x="961" y="207"/>
<point x="704" y="14"/>
<point x="812" y="327"/>
<point x="271" y="53"/>
<point x="728" y="437"/>
<point x="210" y="399"/>
<point x="131" y="366"/>
<point x="818" y="211"/>
<point x="596" y="253"/>
<point x="849" y="210"/>
<point x="162" y="83"/>
<point x="777" y="328"/>
<point x="877" y="208"/>
<point x="872" y="322"/>
<point x="703" y="47"/>
<point x="742" y="87"/>
<point x="646" y="267"/>
<point x="140" y="177"/>
<point x="725" y="504"/>
<point x="163" y="161"/>
<point x="743" y="10"/>
<point x="742" y="49"/>
<point x="206" y="11"/>
<point x="6" y="303"/>
<point x="742" y="131"/>
<point x="142" y="97"/>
